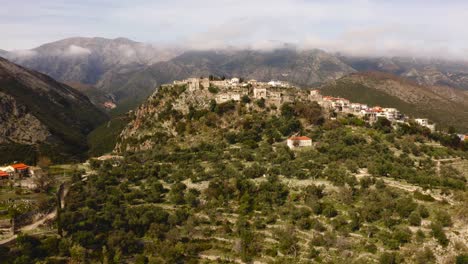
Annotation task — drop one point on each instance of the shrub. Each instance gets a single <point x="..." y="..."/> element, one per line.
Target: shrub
<point x="439" y="234"/>
<point x="414" y="219"/>
<point x="389" y="258"/>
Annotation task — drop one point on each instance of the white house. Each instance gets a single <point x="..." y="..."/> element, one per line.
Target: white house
<point x="297" y="142"/>
<point x="235" y="81"/>
<point x="422" y="121"/>
<point x="8" y="169"/>
<point x="278" y="84"/>
<point x="425" y="123"/>
<point x="391" y="113"/>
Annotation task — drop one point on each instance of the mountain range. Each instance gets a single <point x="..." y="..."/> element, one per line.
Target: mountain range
<point x="127" y="72"/>
<point x="423" y="71"/>
<point x="36" y="110"/>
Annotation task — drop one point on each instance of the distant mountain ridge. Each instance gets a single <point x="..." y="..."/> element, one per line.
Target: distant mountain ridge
<point x="424" y="71"/>
<point x="85" y="60"/>
<point x="36" y="109"/>
<point x="129" y="71"/>
<point x="302" y="68"/>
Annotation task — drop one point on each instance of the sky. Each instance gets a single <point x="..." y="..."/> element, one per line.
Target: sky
<point x="433" y="28"/>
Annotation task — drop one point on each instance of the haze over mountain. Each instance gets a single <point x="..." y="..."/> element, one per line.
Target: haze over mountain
<point x="423" y="71"/>
<point x="86" y="60"/>
<point x="37" y="110"/>
<point x="127" y="72"/>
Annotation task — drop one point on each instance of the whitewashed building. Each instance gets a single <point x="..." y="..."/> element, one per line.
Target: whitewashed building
<point x="298" y="142"/>
<point x="425" y="123"/>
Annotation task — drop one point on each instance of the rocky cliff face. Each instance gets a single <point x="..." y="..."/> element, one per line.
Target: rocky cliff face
<point x="35" y="109"/>
<point x="18" y="125"/>
<point x="148" y="122"/>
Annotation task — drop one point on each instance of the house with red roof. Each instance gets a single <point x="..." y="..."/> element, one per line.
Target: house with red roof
<point x="299" y="141"/>
<point x="21" y="169"/>
<point x="4" y="175"/>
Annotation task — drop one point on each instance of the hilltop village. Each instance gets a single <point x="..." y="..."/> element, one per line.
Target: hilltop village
<point x="278" y="92"/>
<point x="235" y="171"/>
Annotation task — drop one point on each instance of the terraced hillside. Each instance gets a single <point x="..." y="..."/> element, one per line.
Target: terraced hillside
<point x="216" y="183"/>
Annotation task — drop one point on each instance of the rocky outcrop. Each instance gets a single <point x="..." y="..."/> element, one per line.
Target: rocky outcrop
<point x="18" y="125"/>
<point x="35" y="108"/>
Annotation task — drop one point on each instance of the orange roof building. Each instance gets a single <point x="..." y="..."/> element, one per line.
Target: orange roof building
<point x="299" y="141"/>
<point x="20" y="167"/>
<point x="4" y="175"/>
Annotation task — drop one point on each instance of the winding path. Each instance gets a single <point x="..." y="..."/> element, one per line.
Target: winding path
<point x="39" y="222"/>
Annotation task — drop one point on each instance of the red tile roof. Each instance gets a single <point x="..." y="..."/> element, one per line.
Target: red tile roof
<point x="300" y="138"/>
<point x="20" y="166"/>
<point x="4" y="174"/>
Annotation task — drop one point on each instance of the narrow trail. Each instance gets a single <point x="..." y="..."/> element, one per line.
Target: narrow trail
<point x="40" y="221"/>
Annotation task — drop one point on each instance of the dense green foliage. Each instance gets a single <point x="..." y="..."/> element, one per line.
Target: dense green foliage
<point x="103" y="139"/>
<point x="226" y="187"/>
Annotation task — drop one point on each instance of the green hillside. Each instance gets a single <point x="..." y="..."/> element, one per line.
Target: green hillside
<point x="216" y="183"/>
<point x="439" y="110"/>
<point x="103" y="139"/>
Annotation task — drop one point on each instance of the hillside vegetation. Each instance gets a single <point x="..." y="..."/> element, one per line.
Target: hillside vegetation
<point x="203" y="182"/>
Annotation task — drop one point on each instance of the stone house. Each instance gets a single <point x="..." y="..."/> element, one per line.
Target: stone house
<point x="260" y="92"/>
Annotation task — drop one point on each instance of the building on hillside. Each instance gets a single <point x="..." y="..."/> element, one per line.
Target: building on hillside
<point x="298" y="142"/>
<point x="315" y="95"/>
<point x="225" y="97"/>
<point x="260" y="93"/>
<point x="235" y="81"/>
<point x="371" y="114"/>
<point x="21" y="169"/>
<point x="8" y="169"/>
<point x="252" y="82"/>
<point x="4" y="175"/>
<point x="220" y="83"/>
<point x="392" y="114"/>
<point x="193" y="84"/>
<point x="357" y="108"/>
<point x="422" y="121"/>
<point x="425" y="123"/>
<point x="463" y="137"/>
<point x="275" y="83"/>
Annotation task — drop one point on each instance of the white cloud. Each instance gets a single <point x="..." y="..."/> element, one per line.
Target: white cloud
<point x="367" y="27"/>
<point x="23" y="53"/>
<point x="74" y="50"/>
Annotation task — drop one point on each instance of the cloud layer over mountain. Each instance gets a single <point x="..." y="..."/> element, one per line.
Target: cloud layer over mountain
<point x="357" y="27"/>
